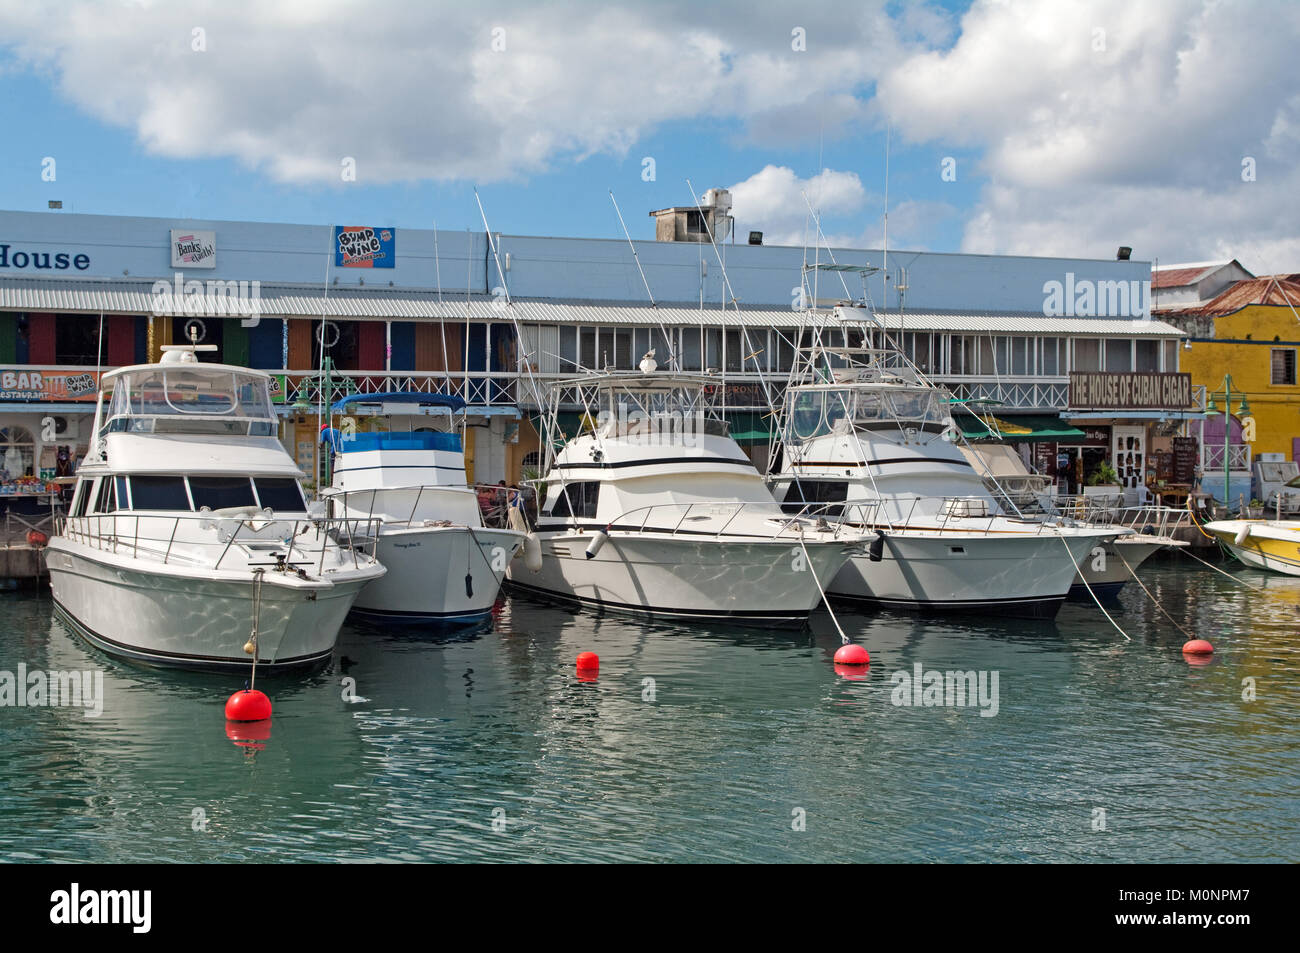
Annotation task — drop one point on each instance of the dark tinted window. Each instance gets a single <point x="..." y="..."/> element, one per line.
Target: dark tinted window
<point x="104" y="501"/>
<point x="159" y="493"/>
<point x="578" y="500"/>
<point x="218" y="493"/>
<point x="82" y="501"/>
<point x="281" y="495"/>
<point x="814" y="493"/>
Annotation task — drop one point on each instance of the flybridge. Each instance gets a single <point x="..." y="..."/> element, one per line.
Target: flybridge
<point x="42" y="261"/>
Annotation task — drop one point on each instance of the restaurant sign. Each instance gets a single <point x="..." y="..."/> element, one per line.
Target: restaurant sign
<point x="18" y="384"/>
<point x="1130" y="391"/>
<point x="364" y="246"/>
<point x="191" y="249"/>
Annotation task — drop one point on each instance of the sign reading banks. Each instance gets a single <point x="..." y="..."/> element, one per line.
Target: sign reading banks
<point x="191" y="249"/>
<point x="28" y="259"/>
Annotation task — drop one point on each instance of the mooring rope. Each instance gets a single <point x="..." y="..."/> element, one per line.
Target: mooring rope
<point x="1090" y="592"/>
<point x="844" y="639"/>
<point x="1132" y="572"/>
<point x="251" y="645"/>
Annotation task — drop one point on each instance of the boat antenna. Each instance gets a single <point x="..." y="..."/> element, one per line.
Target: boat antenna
<point x="533" y="385"/>
<point x="320" y="331"/>
<point x="729" y="296"/>
<point x="442" y="322"/>
<point x="884" y="264"/>
<point x="672" y="355"/>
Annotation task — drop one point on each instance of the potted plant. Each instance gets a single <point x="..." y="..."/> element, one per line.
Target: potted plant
<point x="1103" y="485"/>
<point x="1255" y="509"/>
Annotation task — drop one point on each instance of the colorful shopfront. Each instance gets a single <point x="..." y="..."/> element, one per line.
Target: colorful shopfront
<point x="45" y="422"/>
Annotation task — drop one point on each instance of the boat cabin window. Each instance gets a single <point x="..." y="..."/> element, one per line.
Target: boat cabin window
<point x="814" y="494"/>
<point x="218" y="493"/>
<point x="281" y="494"/>
<point x="82" y="498"/>
<point x="159" y="493"/>
<point x="105" y="499"/>
<point x="577" y="500"/>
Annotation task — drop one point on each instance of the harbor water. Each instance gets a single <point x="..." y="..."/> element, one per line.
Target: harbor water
<point x="692" y="744"/>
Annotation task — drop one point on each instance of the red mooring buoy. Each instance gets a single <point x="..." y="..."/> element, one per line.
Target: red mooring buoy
<point x="852" y="654"/>
<point x="1198" y="647"/>
<point x="588" y="660"/>
<point x="248" y="705"/>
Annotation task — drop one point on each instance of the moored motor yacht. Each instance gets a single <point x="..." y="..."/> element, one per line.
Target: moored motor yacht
<point x="653" y="509"/>
<point x="865" y="436"/>
<point x="1263" y="544"/>
<point x="188" y="541"/>
<point x="399" y="460"/>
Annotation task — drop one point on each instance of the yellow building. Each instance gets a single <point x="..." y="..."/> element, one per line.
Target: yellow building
<point x="1251" y="333"/>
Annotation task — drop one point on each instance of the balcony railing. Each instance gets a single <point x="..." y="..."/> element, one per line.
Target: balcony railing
<point x="1212" y="457"/>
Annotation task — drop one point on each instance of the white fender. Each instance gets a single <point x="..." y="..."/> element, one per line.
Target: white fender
<point x="597" y="541"/>
<point x="1243" y="534"/>
<point x="533" y="552"/>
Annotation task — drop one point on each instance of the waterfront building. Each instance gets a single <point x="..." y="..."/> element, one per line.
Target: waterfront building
<point x="1251" y="331"/>
<point x="1058" y="355"/>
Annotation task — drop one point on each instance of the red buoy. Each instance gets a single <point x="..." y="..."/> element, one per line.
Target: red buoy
<point x="248" y="705"/>
<point x="36" y="538"/>
<point x="588" y="660"/>
<point x="1198" y="647"/>
<point x="852" y="654"/>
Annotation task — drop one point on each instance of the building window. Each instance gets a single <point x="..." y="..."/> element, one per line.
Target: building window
<point x="1087" y="355"/>
<point x="1148" y="355"/>
<point x="1119" y="354"/>
<point x="587" y="349"/>
<point x="1021" y="357"/>
<point x="1283" y="359"/>
<point x="76" y="339"/>
<point x="690" y="356"/>
<point x="1050" y="362"/>
<point x="17" y="453"/>
<point x="568" y="350"/>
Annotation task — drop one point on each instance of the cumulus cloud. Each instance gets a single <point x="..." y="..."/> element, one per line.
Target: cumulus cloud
<point x="419" y="90"/>
<point x="776" y="201"/>
<point x="1111" y="122"/>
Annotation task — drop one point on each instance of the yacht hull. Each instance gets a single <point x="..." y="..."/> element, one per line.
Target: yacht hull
<point x="1106" y="577"/>
<point x="427" y="566"/>
<point x="677" y="577"/>
<point x="1023" y="576"/>
<point x="198" y="620"/>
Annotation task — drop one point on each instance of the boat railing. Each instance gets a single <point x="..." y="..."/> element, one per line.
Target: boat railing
<point x="288" y="543"/>
<point x="493" y="502"/>
<point x="1154" y="519"/>
<point x="970" y="515"/>
<point x="678" y="518"/>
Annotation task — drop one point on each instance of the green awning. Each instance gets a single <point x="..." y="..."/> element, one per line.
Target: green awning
<point x="1027" y="428"/>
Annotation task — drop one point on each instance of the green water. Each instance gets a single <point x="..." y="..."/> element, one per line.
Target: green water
<point x="487" y="747"/>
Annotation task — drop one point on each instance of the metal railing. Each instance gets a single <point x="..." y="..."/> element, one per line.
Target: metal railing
<point x="494" y="516"/>
<point x="155" y="537"/>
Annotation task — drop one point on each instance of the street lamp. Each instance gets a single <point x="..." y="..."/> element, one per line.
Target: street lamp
<point x="1211" y="407"/>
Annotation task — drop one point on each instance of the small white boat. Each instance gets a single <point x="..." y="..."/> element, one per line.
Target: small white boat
<point x="188" y="530"/>
<point x="1264" y="544"/>
<point x="399" y="461"/>
<point x="653" y="509"/>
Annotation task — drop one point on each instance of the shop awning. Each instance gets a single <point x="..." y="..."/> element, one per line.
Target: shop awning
<point x="1028" y="428"/>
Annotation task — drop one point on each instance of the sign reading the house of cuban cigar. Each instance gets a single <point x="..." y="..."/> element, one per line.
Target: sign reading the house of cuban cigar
<point x="1130" y="391"/>
<point x="191" y="249"/>
<point x="364" y="246"/>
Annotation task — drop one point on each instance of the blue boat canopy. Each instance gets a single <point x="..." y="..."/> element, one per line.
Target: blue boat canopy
<point x="450" y="401"/>
<point x="417" y="440"/>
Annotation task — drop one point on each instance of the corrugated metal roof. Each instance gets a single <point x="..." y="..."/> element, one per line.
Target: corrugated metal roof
<point x="978" y="322"/>
<point x="135" y="296"/>
<point x="1177" y="276"/>
<point x="1281" y="290"/>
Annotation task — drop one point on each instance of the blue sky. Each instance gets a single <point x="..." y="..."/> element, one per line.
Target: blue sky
<point x="1074" y="127"/>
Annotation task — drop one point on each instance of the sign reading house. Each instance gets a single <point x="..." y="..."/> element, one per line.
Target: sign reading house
<point x="1130" y="391"/>
<point x="191" y="249"/>
<point x="364" y="246"/>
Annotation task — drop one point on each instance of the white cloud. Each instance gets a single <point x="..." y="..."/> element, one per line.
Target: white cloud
<point x="1112" y="122"/>
<point x="772" y="201"/>
<point x="417" y="90"/>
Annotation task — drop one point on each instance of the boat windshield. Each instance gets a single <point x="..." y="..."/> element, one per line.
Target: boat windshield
<point x="190" y="399"/>
<point x="817" y="412"/>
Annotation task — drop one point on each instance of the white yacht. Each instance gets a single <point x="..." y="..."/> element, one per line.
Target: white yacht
<point x="868" y="439"/>
<point x="652" y="508"/>
<point x="399" y="460"/>
<point x="1109" y="565"/>
<point x="188" y="530"/>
